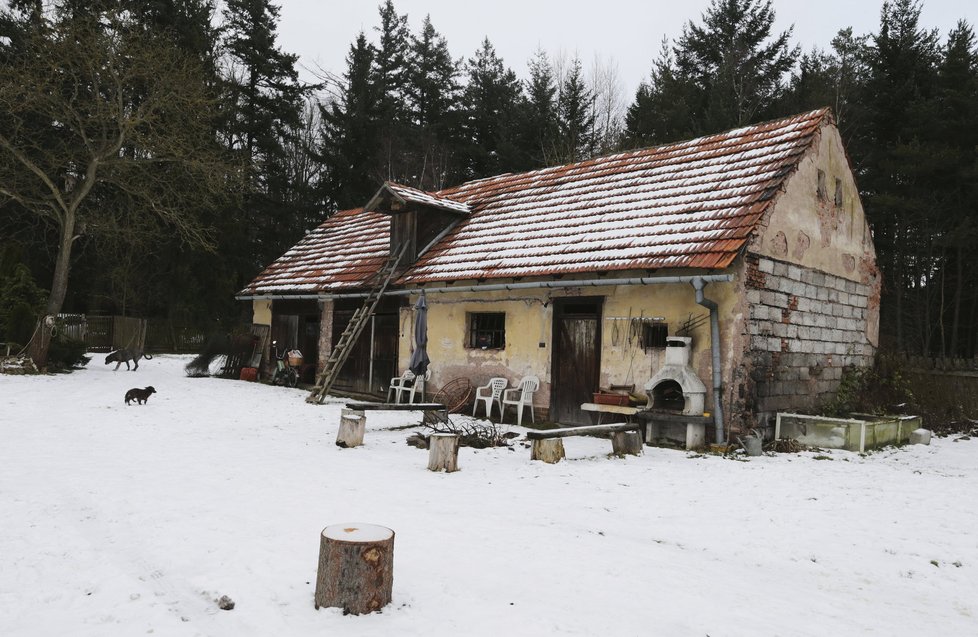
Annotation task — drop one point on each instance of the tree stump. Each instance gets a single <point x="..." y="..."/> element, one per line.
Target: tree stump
<point x="443" y="452"/>
<point x="352" y="425"/>
<point x="356" y="568"/>
<point x="626" y="442"/>
<point x="550" y="450"/>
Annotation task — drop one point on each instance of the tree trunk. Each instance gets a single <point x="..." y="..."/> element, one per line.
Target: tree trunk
<point x="356" y="568"/>
<point x="958" y="291"/>
<point x="549" y="450"/>
<point x="443" y="452"/>
<point x="352" y="425"/>
<point x="626" y="442"/>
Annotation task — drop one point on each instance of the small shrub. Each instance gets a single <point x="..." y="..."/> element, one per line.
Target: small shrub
<point x="875" y="390"/>
<point x="67" y="353"/>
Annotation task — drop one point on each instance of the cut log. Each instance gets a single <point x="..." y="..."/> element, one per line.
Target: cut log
<point x="550" y="450"/>
<point x="443" y="452"/>
<point x="356" y="568"/>
<point x="352" y="425"/>
<point x="626" y="442"/>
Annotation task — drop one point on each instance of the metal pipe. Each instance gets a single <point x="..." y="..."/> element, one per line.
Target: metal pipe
<point x="698" y="284"/>
<point x="498" y="287"/>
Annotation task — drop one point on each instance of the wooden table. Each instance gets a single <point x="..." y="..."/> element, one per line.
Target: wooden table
<point x="602" y="409"/>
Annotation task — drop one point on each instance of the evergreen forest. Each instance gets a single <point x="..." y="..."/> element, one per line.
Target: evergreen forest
<point x="156" y="154"/>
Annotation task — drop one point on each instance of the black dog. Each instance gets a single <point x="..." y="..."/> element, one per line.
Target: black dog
<point x="139" y="395"/>
<point x="121" y="356"/>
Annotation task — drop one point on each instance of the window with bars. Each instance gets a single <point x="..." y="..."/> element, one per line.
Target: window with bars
<point x="487" y="330"/>
<point x="654" y="335"/>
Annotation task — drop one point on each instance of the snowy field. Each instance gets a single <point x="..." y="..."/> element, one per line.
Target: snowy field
<point x="119" y="520"/>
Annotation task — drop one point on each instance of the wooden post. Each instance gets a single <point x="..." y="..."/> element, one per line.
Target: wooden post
<point x="550" y="450"/>
<point x="356" y="568"/>
<point x="352" y="424"/>
<point x="443" y="452"/>
<point x="626" y="442"/>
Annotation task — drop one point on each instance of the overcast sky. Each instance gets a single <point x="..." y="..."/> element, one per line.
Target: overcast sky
<point x="629" y="32"/>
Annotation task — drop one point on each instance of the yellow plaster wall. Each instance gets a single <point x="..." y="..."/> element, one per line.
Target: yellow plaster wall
<point x="529" y="323"/>
<point x="816" y="233"/>
<point x="261" y="311"/>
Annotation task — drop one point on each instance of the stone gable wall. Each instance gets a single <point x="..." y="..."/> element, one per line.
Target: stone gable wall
<point x="803" y="327"/>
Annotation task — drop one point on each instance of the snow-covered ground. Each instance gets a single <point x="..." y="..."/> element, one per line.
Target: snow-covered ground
<point x="119" y="520"/>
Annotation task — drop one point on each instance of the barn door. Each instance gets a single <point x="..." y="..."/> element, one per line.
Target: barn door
<point x="576" y="358"/>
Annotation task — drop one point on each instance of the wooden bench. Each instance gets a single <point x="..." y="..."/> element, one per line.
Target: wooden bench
<point x="548" y="446"/>
<point x="353" y="420"/>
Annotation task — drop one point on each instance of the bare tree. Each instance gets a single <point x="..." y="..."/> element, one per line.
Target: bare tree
<point x="608" y="104"/>
<point x="102" y="119"/>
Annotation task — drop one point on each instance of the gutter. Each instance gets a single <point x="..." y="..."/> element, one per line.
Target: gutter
<point x="698" y="284"/>
<point x="497" y="287"/>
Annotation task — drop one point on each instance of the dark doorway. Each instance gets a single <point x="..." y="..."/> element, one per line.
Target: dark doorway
<point x="576" y="358"/>
<point x="373" y="359"/>
<point x="295" y="325"/>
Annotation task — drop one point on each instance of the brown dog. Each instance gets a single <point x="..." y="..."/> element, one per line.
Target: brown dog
<point x="139" y="395"/>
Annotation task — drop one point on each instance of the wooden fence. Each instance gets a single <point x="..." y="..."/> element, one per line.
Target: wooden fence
<point x="941" y="364"/>
<point x="107" y="333"/>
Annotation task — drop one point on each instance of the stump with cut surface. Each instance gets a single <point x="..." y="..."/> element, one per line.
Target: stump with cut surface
<point x="443" y="452"/>
<point x="626" y="442"/>
<point x="352" y="425"/>
<point x="549" y="450"/>
<point x="356" y="568"/>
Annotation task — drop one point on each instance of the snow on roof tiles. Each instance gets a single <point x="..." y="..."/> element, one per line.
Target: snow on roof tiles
<point x="413" y="195"/>
<point x="691" y="204"/>
<point x="345" y="252"/>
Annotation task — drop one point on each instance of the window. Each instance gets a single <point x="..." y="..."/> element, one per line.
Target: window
<point x="822" y="193"/>
<point x="487" y="330"/>
<point x="654" y="335"/>
<point x="838" y="192"/>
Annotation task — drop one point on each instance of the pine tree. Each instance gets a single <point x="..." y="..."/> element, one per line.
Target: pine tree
<point x="902" y="61"/>
<point x="735" y="62"/>
<point x="832" y="78"/>
<point x="432" y="93"/>
<point x="350" y="136"/>
<point x="729" y="71"/>
<point x="540" y="127"/>
<point x="575" y="117"/>
<point x="390" y="77"/>
<point x="663" y="109"/>
<point x="265" y="102"/>
<point x="956" y="179"/>
<point x="493" y="99"/>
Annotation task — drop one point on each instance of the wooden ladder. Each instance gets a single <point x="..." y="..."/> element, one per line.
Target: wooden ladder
<point x="350" y="335"/>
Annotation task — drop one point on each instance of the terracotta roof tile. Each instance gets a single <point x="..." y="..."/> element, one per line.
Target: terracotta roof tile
<point x="691" y="204"/>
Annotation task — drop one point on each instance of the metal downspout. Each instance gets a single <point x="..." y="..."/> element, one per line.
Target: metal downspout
<point x="698" y="285"/>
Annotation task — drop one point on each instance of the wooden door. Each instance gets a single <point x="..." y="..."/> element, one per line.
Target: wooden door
<point x="373" y="359"/>
<point x="576" y="358"/>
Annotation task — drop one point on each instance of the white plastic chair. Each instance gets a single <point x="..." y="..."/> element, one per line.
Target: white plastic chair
<point x="399" y="383"/>
<point x="416" y="387"/>
<point x="521" y="396"/>
<point x="490" y="394"/>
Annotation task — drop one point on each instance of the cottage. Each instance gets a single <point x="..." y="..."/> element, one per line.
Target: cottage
<point x="752" y="244"/>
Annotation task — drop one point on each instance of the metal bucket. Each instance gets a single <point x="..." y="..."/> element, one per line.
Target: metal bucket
<point x="753" y="445"/>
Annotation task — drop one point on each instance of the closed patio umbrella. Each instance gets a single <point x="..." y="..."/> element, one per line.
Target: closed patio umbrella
<point x="419" y="358"/>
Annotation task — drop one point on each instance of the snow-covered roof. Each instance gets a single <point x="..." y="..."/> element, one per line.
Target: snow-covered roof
<point x="345" y="252"/>
<point x="691" y="204"/>
<point x="406" y="194"/>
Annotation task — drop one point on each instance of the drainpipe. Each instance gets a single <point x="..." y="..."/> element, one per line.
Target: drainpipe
<point x="698" y="285"/>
